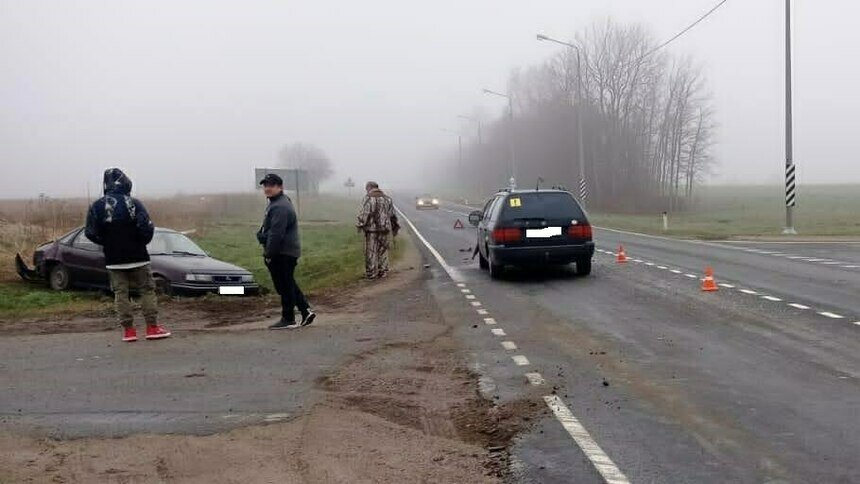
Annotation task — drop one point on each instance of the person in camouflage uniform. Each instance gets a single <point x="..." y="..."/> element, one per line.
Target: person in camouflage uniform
<point x="377" y="220"/>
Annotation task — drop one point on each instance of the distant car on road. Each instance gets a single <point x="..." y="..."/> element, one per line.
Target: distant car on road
<point x="532" y="227"/>
<point x="427" y="201"/>
<point x="179" y="266"/>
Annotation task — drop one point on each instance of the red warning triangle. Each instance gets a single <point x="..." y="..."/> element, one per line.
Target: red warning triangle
<point x="458" y="224"/>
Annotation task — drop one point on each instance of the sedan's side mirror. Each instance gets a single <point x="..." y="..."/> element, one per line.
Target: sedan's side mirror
<point x="476" y="217"/>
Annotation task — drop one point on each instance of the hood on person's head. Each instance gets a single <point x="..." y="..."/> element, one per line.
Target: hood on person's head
<point x="115" y="181"/>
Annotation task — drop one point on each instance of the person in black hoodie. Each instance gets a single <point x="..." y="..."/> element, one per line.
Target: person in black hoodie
<point x="121" y="225"/>
<point x="279" y="236"/>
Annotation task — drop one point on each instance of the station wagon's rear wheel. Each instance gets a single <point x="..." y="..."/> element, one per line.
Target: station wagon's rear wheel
<point x="59" y="278"/>
<point x="495" y="269"/>
<point x="583" y="267"/>
<point x="482" y="262"/>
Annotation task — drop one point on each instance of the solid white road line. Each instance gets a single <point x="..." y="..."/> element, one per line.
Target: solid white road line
<point x="520" y="360"/>
<point x="830" y="315"/>
<point x="534" y="378"/>
<point x="452" y="272"/>
<point x="509" y="345"/>
<point x="798" y="306"/>
<point x="604" y="465"/>
<point x="489" y="321"/>
<point x="498" y="331"/>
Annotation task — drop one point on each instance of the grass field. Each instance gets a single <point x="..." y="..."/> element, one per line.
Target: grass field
<point x="731" y="211"/>
<point x="332" y="253"/>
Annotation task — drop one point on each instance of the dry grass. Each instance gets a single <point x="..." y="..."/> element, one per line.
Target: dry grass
<point x="24" y="224"/>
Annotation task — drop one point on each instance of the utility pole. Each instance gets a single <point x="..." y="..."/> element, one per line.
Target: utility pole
<point x="790" y="181"/>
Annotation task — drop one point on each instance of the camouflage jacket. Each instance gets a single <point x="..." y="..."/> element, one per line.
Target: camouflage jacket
<point x="377" y="213"/>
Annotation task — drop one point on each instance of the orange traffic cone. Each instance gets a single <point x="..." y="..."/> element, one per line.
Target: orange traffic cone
<point x="622" y="257"/>
<point x="709" y="284"/>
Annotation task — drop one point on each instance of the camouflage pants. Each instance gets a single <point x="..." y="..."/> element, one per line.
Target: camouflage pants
<point x="376" y="246"/>
<point x="140" y="279"/>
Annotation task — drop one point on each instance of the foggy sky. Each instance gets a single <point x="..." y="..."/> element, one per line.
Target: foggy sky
<point x="191" y="95"/>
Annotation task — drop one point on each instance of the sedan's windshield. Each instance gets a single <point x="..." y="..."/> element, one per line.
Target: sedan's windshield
<point x="173" y="243"/>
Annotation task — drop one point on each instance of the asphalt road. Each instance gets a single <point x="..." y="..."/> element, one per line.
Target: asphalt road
<point x="757" y="382"/>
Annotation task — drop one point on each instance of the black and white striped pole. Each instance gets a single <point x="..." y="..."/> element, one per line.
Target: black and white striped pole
<point x="790" y="179"/>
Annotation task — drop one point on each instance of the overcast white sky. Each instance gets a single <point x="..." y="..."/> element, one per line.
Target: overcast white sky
<point x="190" y="95"/>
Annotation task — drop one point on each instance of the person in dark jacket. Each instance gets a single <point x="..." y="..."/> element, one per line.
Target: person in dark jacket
<point x="120" y="224"/>
<point x="279" y="237"/>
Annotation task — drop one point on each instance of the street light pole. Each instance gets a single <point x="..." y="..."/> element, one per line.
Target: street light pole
<point x="480" y="151"/>
<point x="513" y="161"/>
<point x="583" y="192"/>
<point x="790" y="182"/>
<point x="459" y="150"/>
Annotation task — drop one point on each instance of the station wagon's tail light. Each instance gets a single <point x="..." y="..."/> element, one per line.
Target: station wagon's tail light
<point x="579" y="231"/>
<point x="510" y="234"/>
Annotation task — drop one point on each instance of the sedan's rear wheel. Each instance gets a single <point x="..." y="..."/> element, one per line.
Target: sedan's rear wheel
<point x="583" y="267"/>
<point x="59" y="278"/>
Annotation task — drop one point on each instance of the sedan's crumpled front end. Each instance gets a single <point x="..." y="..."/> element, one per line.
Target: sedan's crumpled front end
<point x="25" y="272"/>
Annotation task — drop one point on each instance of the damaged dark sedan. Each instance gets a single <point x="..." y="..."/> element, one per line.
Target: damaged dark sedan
<point x="179" y="266"/>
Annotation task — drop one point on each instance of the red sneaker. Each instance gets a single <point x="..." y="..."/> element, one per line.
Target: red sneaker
<point x="129" y="335"/>
<point x="156" y="332"/>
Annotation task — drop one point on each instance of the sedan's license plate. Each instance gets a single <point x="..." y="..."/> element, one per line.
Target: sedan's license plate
<point x="543" y="233"/>
<point x="232" y="290"/>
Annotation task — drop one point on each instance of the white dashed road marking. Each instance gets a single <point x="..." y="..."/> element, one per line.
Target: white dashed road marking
<point x="476" y="303"/>
<point x="489" y="321"/>
<point x="766" y="297"/>
<point x="535" y="378"/>
<point x="583" y="439"/>
<point x="509" y="345"/>
<point x="830" y="315"/>
<point x="483" y="312"/>
<point x="498" y="332"/>
<point x="520" y="360"/>
<point x="470" y="296"/>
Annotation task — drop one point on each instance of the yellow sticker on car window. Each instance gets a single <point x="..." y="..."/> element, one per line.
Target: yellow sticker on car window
<point x="516" y="202"/>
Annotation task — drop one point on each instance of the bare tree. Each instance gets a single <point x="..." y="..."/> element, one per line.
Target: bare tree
<point x="307" y="157"/>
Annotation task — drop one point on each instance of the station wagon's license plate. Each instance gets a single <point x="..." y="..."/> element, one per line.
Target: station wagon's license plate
<point x="231" y="290"/>
<point x="543" y="233"/>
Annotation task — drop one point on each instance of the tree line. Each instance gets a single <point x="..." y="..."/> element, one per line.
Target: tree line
<point x="647" y="125"/>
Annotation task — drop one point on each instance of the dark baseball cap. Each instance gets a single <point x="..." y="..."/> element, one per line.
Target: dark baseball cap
<point x="272" y="179"/>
